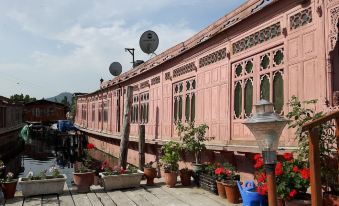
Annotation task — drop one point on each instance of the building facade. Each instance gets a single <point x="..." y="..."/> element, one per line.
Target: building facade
<point x="10" y="123"/>
<point x="44" y="111"/>
<point x="265" y="49"/>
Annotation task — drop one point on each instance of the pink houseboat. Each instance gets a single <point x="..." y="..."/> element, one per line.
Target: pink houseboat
<point x="265" y="49"/>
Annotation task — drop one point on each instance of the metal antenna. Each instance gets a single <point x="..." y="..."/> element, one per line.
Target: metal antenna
<point x="131" y="51"/>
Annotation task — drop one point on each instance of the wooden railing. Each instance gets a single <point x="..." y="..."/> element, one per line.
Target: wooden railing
<point x="314" y="153"/>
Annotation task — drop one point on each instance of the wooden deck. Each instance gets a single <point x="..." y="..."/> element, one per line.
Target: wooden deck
<point x="158" y="195"/>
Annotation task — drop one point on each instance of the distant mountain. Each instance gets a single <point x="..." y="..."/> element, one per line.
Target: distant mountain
<point x="61" y="96"/>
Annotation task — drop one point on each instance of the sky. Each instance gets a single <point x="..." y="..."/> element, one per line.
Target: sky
<point x="53" y="46"/>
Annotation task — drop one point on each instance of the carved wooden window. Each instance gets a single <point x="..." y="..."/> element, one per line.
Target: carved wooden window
<point x="259" y="37"/>
<point x="144" y="107"/>
<point x="100" y="112"/>
<point x="84" y="112"/>
<point x="184" y="100"/>
<point x="300" y="19"/>
<point x="243" y="88"/>
<point x="105" y="108"/>
<point x="258" y="77"/>
<point x="135" y="109"/>
<point x="212" y="58"/>
<point x="187" y="68"/>
<point x="271" y="78"/>
<point x="93" y="112"/>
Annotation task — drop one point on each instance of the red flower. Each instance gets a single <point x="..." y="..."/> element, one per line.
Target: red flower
<point x="90" y="146"/>
<point x="278" y="169"/>
<point x="295" y="169"/>
<point x="122" y="170"/>
<point x="305" y="174"/>
<point x="262" y="190"/>
<point x="293" y="193"/>
<point x="288" y="156"/>
<point x="104" y="165"/>
<point x="259" y="163"/>
<point x="219" y="170"/>
<point x="257" y="156"/>
<point x="228" y="172"/>
<point x="261" y="177"/>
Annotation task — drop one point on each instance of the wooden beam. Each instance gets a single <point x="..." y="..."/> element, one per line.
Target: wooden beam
<point x="141" y="147"/>
<point x="337" y="137"/>
<point x="126" y="128"/>
<point x="314" y="160"/>
<point x="314" y="123"/>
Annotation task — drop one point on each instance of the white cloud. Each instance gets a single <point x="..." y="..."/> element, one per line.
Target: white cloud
<point x="95" y="33"/>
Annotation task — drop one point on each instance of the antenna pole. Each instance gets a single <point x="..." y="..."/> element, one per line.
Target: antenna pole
<point x="131" y="51"/>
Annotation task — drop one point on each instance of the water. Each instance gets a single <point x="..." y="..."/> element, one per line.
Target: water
<point x="42" y="152"/>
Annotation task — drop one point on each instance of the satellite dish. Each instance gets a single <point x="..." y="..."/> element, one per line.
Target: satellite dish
<point x="149" y="42"/>
<point x="115" y="68"/>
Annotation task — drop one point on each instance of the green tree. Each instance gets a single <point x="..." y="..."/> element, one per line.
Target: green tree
<point x="22" y="98"/>
<point x="65" y="102"/>
<point x="73" y="106"/>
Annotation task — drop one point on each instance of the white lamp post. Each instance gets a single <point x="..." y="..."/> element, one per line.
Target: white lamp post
<point x="267" y="127"/>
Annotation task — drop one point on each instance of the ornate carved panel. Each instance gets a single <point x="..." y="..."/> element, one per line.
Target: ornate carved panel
<point x="259" y="37"/>
<point x="144" y="84"/>
<point x="168" y="76"/>
<point x="301" y="19"/>
<point x="184" y="69"/>
<point x="212" y="58"/>
<point x="334" y="18"/>
<point x="155" y="80"/>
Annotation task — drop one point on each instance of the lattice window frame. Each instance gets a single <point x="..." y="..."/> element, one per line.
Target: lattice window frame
<point x="185" y="95"/>
<point x="257" y="38"/>
<point x="271" y="70"/>
<point x="242" y="79"/>
<point x="297" y="21"/>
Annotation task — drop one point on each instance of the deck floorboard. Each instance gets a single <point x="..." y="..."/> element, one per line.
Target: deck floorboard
<point x="157" y="195"/>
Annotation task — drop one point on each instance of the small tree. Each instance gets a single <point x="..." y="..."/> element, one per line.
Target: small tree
<point x="193" y="138"/>
<point x="302" y="114"/>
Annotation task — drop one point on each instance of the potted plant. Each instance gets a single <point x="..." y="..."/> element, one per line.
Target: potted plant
<point x="150" y="173"/>
<point x="207" y="178"/>
<point x="193" y="140"/>
<point x="230" y="184"/>
<point x="170" y="159"/>
<point x="221" y="175"/>
<point x="185" y="176"/>
<point x="43" y="183"/>
<point x="83" y="174"/>
<point x="292" y="179"/>
<point x="8" y="185"/>
<point x="301" y="113"/>
<point x="119" y="178"/>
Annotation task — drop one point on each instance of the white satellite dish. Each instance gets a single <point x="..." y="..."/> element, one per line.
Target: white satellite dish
<point x="115" y="68"/>
<point x="149" y="42"/>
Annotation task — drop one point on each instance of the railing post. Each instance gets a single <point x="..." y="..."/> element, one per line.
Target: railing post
<point x="337" y="137"/>
<point x="141" y="147"/>
<point x="314" y="159"/>
<point x="126" y="128"/>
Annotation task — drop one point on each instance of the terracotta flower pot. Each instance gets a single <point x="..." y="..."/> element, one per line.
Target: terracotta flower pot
<point x="171" y="178"/>
<point x="150" y="174"/>
<point x="232" y="192"/>
<point x="298" y="203"/>
<point x="330" y="199"/>
<point x="9" y="189"/>
<point x="221" y="190"/>
<point x="83" y="181"/>
<point x="281" y="202"/>
<point x="185" y="177"/>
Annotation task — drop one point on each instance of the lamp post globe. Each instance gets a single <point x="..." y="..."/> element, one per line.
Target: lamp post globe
<point x="267" y="127"/>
